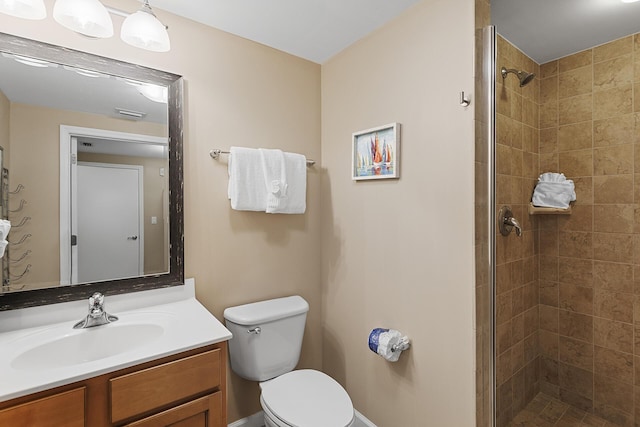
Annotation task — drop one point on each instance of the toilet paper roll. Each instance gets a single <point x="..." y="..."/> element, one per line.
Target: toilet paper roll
<point x="382" y="342"/>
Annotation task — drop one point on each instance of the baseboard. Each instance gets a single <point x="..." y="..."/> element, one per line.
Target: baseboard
<point x="257" y="420"/>
<point x="363" y="421"/>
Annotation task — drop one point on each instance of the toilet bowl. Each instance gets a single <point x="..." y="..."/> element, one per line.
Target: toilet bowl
<point x="266" y="344"/>
<point x="306" y="398"/>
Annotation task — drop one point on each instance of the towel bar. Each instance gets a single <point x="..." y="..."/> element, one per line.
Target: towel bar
<point x="215" y="154"/>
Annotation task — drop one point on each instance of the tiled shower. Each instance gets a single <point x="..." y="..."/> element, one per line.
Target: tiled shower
<point x="568" y="290"/>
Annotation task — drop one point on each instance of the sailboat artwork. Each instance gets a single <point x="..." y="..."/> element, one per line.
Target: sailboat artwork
<point x="375" y="153"/>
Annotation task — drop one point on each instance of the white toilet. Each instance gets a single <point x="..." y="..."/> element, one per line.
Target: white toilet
<point x="267" y="338"/>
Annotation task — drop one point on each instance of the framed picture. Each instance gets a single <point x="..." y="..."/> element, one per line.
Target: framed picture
<point x="376" y="153"/>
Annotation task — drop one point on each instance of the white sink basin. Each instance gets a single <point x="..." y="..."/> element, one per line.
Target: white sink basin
<point x="87" y="345"/>
<point x="49" y="355"/>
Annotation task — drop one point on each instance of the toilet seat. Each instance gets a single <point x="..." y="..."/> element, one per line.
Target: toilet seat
<point x="307" y="398"/>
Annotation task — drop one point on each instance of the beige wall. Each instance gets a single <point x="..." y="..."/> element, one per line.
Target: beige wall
<point x="155" y="186"/>
<point x="237" y="93"/>
<point x="399" y="253"/>
<point x="405" y="262"/>
<point x="36" y="165"/>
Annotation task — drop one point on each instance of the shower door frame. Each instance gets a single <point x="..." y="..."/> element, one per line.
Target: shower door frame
<point x="486" y="227"/>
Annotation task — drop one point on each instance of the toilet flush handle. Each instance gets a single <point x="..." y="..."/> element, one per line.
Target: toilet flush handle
<point x="255" y="330"/>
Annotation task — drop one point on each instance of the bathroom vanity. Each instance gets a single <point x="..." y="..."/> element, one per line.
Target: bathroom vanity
<point x="187" y="389"/>
<point x="158" y="365"/>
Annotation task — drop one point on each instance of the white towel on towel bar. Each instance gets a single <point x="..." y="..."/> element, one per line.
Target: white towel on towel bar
<point x="285" y="177"/>
<point x="246" y="180"/>
<point x="248" y="188"/>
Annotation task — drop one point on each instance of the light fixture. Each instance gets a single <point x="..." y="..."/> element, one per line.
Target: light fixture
<point x="32" y="62"/>
<point x="87" y="17"/>
<point x="142" y="29"/>
<point x="86" y="73"/>
<point x="153" y="92"/>
<point x="130" y="114"/>
<point x="26" y="9"/>
<point x="629" y="1"/>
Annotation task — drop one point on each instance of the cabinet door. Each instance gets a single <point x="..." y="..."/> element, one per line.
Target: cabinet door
<point x="161" y="386"/>
<point x="203" y="412"/>
<point x="62" y="409"/>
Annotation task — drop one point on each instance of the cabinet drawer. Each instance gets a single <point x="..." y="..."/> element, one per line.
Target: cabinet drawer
<point x="205" y="411"/>
<point x="162" y="385"/>
<point x="62" y="409"/>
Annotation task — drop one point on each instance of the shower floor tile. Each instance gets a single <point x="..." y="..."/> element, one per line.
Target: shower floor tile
<point x="546" y="411"/>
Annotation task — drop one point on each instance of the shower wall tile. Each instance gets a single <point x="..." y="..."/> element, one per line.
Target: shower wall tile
<point x="613" y="364"/>
<point x="572" y="83"/>
<point x="613" y="393"/>
<point x="576" y="353"/>
<point x="577" y="60"/>
<point x="613" y="102"/>
<point x="517" y="291"/>
<point x="576" y="325"/>
<point x="613" y="218"/>
<point x="581" y="219"/>
<point x="584" y="187"/>
<point x="612" y="73"/>
<point x="613" y="247"/>
<point x="549" y="69"/>
<point x="577" y="379"/>
<point x="613" y="189"/>
<point x="575" y="109"/>
<point x="614" y="160"/>
<point x="548" y="140"/>
<point x="576" y="271"/>
<point x="613" y="277"/>
<point x="613" y="305"/>
<point x="613" y="335"/>
<point x="577" y="136"/>
<point x="578" y="299"/>
<point x="613" y="131"/>
<point x="576" y="244"/>
<point x="576" y="163"/>
<point x="549" y="89"/>
<point x="613" y="49"/>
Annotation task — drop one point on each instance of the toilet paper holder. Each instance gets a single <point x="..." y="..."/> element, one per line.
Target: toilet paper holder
<point x="401" y="346"/>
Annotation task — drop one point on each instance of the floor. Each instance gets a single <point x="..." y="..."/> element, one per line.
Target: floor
<point x="546" y="411"/>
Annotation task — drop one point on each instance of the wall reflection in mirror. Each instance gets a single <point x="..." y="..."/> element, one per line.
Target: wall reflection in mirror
<point x="86" y="175"/>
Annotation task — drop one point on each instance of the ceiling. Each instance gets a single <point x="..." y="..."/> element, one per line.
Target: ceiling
<point x="314" y="30"/>
<point x="317" y="30"/>
<point x="550" y="29"/>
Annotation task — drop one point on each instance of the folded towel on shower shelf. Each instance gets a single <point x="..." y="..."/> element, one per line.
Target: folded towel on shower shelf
<point x="553" y="190"/>
<point x="246" y="180"/>
<point x="267" y="180"/>
<point x="285" y="176"/>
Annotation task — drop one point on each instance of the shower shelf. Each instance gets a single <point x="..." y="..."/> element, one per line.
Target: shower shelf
<point x="535" y="210"/>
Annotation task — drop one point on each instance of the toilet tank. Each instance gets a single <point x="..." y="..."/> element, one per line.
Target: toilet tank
<point x="274" y="348"/>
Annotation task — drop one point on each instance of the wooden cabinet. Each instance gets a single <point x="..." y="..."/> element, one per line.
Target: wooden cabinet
<point x="184" y="390"/>
<point x="60" y="409"/>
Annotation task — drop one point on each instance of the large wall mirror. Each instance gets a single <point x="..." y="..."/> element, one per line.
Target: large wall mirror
<point x="91" y="175"/>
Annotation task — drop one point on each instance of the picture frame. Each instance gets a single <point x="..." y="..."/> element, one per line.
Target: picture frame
<point x="375" y="153"/>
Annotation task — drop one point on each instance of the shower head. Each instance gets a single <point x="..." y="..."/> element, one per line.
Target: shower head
<point x="524" y="77"/>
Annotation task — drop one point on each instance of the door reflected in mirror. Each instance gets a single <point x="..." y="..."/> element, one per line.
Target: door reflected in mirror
<point x="89" y="167"/>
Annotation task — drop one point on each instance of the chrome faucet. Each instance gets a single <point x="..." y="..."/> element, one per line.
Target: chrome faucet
<point x="507" y="222"/>
<point x="97" y="316"/>
<point x="514" y="223"/>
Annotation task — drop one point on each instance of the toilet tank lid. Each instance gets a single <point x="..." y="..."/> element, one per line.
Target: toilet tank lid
<point x="266" y="311"/>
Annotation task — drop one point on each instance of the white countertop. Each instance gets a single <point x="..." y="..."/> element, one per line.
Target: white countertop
<point x="184" y="325"/>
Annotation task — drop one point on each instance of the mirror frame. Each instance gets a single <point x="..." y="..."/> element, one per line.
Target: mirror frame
<point x="175" y="276"/>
